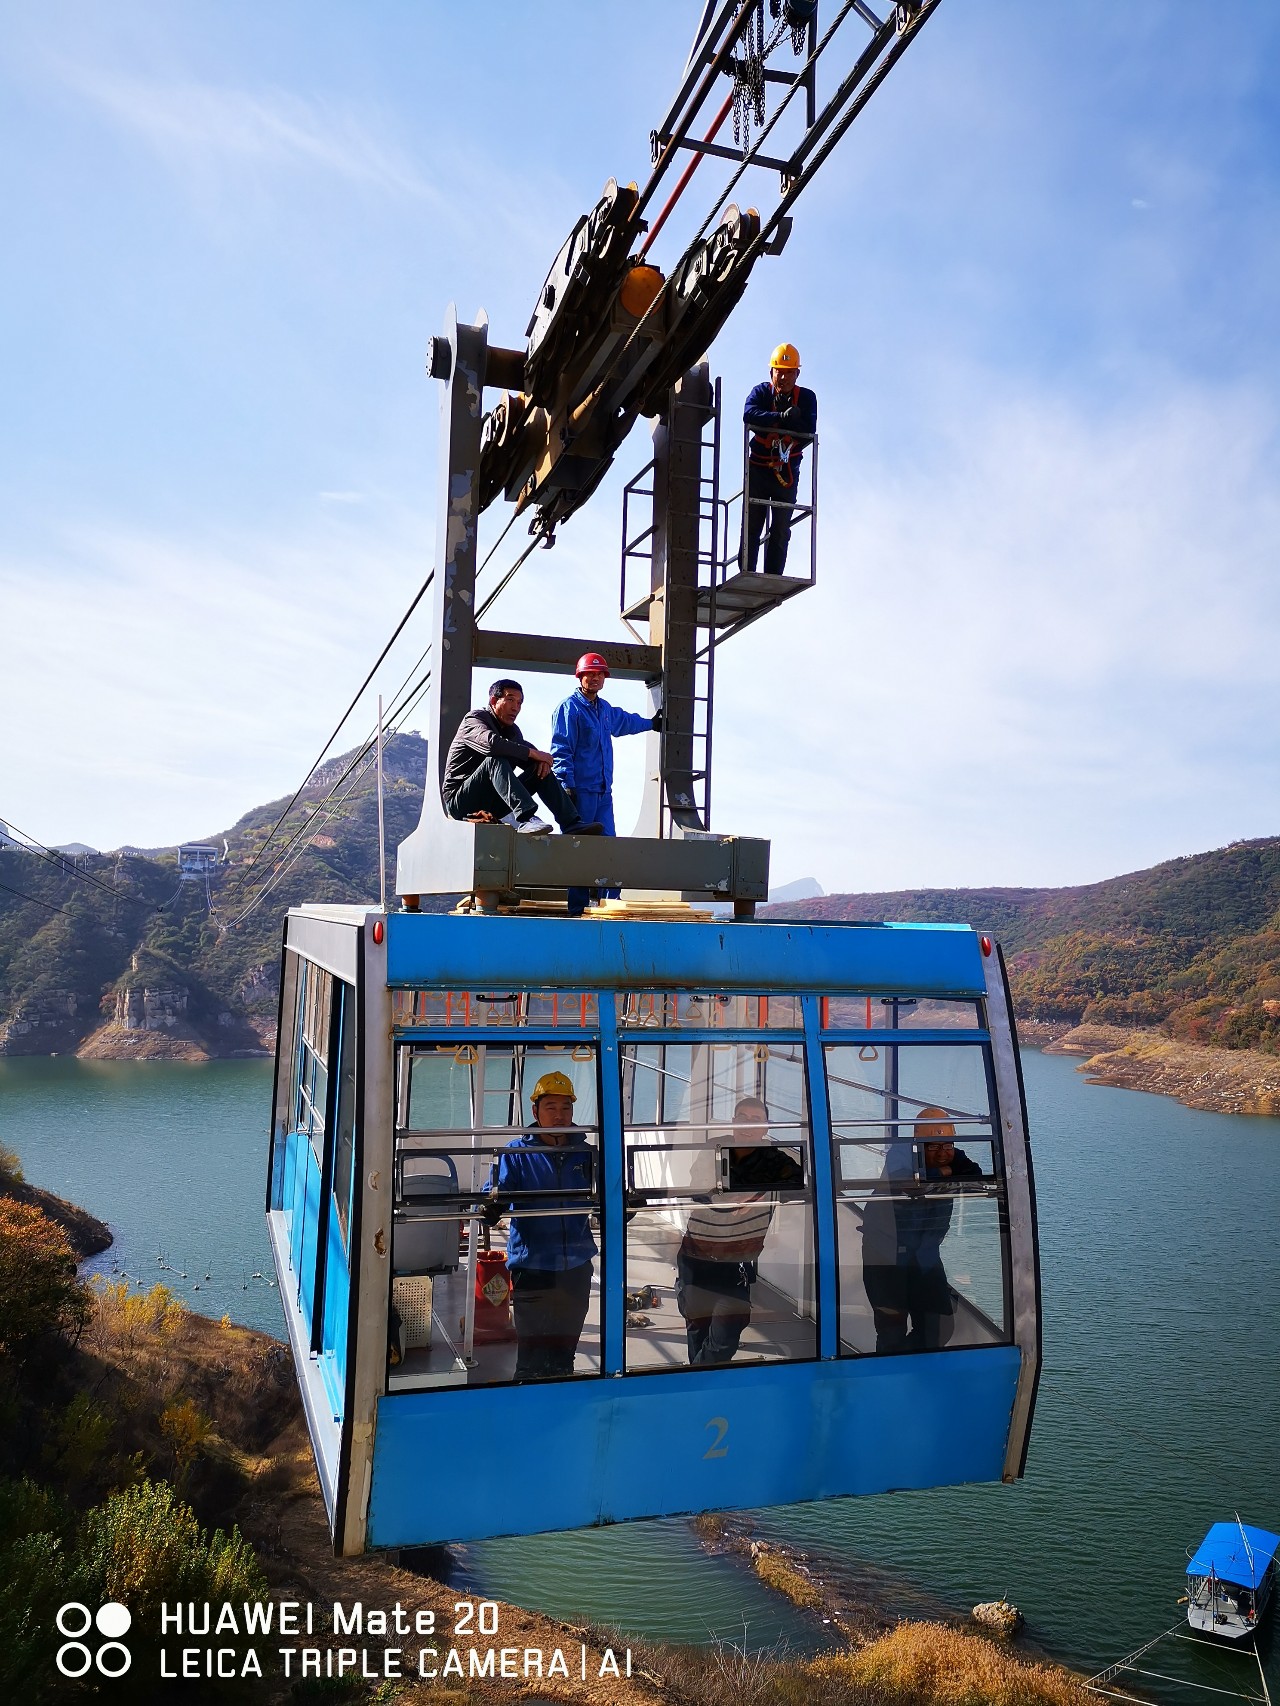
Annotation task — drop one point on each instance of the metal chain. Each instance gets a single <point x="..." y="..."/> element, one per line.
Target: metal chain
<point x="748" y="70"/>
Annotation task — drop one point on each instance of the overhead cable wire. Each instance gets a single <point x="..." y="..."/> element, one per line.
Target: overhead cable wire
<point x="506" y="580"/>
<point x="283" y="868"/>
<point x="353" y="773"/>
<point x="60" y="861"/>
<point x="414" y="603"/>
<point x="36" y="901"/>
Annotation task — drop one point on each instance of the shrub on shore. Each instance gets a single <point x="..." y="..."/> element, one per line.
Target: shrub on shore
<point x="139" y="1547"/>
<point x="39" y="1292"/>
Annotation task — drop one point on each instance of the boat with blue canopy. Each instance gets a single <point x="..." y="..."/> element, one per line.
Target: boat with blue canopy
<point x="1231" y="1579"/>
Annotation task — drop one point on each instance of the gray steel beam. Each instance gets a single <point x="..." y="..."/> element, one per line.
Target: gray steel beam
<point x="547" y="654"/>
<point x="724" y="866"/>
<point x="673" y="614"/>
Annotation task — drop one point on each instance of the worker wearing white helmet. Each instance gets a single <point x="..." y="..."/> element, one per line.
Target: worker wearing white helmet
<point x="783" y="417"/>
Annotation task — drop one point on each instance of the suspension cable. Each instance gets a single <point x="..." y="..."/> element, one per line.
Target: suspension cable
<point x="358" y="762"/>
<point x="36" y="901"/>
<point x="67" y="866"/>
<point x="417" y="599"/>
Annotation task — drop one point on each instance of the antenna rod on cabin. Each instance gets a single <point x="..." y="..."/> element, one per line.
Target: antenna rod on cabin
<point x="382" y="840"/>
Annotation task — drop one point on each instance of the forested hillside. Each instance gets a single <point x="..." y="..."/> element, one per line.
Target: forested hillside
<point x="1192" y="944"/>
<point x="140" y="964"/>
<point x="147" y="968"/>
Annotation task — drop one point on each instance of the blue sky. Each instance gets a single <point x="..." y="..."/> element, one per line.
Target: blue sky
<point x="1035" y="290"/>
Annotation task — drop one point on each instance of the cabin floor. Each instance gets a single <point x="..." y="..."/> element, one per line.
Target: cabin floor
<point x="655" y="1335"/>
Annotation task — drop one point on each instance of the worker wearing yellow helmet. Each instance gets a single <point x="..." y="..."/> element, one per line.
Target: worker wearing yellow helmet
<point x="549" y="1256"/>
<point x="783" y="417"/>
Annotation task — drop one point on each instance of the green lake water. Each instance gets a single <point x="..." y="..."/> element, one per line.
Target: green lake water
<point x="1160" y="1231"/>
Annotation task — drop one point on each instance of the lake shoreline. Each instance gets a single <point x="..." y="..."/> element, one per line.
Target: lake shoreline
<point x="1212" y="1080"/>
<point x="87" y="1235"/>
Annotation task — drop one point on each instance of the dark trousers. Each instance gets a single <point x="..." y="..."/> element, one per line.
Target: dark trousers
<point x="771" y="501"/>
<point x="595" y="808"/>
<point x="910" y="1293"/>
<point x="715" y="1300"/>
<point x="549" y="1310"/>
<point x="499" y="786"/>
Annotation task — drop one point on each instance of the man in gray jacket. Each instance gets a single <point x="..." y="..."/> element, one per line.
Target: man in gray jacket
<point x="492" y="772"/>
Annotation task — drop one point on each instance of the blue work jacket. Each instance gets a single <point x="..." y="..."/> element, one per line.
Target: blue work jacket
<point x="582" y="740"/>
<point x="547" y="1243"/>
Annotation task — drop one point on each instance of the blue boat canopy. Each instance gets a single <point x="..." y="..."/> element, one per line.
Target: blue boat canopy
<point x="1235" y="1552"/>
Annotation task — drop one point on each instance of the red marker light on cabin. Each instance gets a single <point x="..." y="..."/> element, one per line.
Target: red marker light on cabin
<point x="377" y="930"/>
<point x="984" y="942"/>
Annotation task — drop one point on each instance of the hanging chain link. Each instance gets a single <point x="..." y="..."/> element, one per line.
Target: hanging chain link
<point x="748" y="75"/>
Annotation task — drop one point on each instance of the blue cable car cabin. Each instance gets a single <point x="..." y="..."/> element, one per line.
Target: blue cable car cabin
<point x="840" y="1103"/>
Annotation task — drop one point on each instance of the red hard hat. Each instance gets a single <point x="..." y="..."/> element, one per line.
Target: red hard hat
<point x="591" y="660"/>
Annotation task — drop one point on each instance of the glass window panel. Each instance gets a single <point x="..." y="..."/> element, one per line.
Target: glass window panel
<point x="918" y="1211"/>
<point x="707" y="1010"/>
<point x="464" y="1009"/>
<point x="890" y="1013"/>
<point x="497" y="1214"/>
<point x="312" y="1078"/>
<point x="344" y="1136"/>
<point x="719" y="1252"/>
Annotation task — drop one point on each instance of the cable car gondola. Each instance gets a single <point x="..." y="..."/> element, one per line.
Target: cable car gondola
<point x="410" y="1044"/>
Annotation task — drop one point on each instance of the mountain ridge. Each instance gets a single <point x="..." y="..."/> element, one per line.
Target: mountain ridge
<point x="1190" y="946"/>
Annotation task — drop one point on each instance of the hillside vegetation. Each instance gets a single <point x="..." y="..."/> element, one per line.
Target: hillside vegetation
<point x="147" y="968"/>
<point x="1192" y="945"/>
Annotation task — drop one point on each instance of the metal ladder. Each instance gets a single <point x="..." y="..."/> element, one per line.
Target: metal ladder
<point x="637" y="555"/>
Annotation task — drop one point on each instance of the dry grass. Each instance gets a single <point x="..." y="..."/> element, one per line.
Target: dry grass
<point x="777" y="1571"/>
<point x="927" y="1664"/>
<point x="916" y="1664"/>
<point x="127" y="1320"/>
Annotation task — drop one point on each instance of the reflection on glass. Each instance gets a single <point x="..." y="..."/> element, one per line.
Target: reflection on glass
<point x="707" y="1010"/>
<point x="463" y="1009"/>
<point x="549" y="1255"/>
<point x="496" y="1211"/>
<point x="719" y="1234"/>
<point x="311" y="1088"/>
<point x="917" y="1204"/>
<point x="899" y="1013"/>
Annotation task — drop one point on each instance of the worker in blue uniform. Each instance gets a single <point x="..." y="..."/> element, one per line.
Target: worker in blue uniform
<point x="783" y="417"/>
<point x="582" y="751"/>
<point x="549" y="1256"/>
<point x="912" y="1303"/>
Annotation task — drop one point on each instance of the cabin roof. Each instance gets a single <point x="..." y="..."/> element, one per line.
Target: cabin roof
<point x="1235" y="1552"/>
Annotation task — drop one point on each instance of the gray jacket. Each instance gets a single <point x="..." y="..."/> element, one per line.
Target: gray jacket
<point x="481" y="735"/>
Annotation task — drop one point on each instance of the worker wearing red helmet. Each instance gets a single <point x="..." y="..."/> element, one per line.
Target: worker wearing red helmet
<point x="783" y="417"/>
<point x="582" y="750"/>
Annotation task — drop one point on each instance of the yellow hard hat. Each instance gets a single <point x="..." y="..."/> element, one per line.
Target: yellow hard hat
<point x="554" y="1084"/>
<point x="786" y="356"/>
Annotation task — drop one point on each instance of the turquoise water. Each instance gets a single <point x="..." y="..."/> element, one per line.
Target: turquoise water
<point x="1157" y="1408"/>
<point x="171" y="1154"/>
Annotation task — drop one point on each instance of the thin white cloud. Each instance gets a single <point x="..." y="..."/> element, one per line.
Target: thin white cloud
<point x="189" y="122"/>
<point x="186" y="680"/>
<point x="1044" y="653"/>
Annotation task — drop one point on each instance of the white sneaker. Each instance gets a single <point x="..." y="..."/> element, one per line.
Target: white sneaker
<point x="533" y="826"/>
